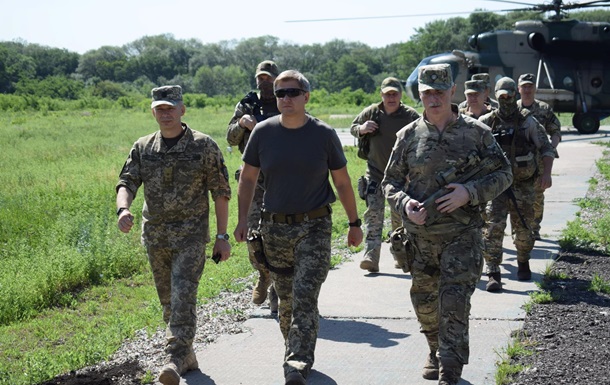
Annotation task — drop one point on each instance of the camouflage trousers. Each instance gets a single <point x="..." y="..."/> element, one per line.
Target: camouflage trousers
<point x="445" y="272"/>
<point x="374" y="220"/>
<point x="497" y="211"/>
<point x="306" y="246"/>
<point x="538" y="205"/>
<point x="177" y="266"/>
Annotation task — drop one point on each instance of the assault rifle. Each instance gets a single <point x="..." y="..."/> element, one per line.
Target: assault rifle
<point x="472" y="168"/>
<point x="253" y="103"/>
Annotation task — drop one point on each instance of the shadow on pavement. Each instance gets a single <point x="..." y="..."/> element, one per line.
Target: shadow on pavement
<point x="358" y="332"/>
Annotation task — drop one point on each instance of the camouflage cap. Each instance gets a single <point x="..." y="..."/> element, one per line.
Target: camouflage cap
<point x="483" y="76"/>
<point x="472" y="86"/>
<point x="391" y="84"/>
<point x="527" y="79"/>
<point x="170" y="95"/>
<point x="435" y="76"/>
<point x="267" y="67"/>
<point x="506" y="86"/>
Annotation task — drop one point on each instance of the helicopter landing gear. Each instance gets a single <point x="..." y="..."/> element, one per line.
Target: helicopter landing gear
<point x="586" y="123"/>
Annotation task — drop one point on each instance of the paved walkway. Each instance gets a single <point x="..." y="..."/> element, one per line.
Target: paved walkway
<point x="368" y="330"/>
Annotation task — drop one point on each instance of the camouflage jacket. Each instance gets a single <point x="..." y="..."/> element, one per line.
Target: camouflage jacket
<point x="176" y="183"/>
<point x="522" y="138"/>
<point x="382" y="141"/>
<point x="238" y="135"/>
<point x="422" y="152"/>
<point x="544" y="115"/>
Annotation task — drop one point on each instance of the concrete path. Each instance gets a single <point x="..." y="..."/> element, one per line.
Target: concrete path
<point x="368" y="330"/>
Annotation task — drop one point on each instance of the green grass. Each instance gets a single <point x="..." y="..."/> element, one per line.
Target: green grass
<point x="73" y="287"/>
<point x="599" y="285"/>
<point x="520" y="347"/>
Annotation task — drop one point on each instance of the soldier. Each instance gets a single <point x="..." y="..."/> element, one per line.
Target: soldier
<point x="381" y="122"/>
<point x="545" y="116"/>
<point x="178" y="166"/>
<point x="252" y="109"/>
<point x="296" y="152"/>
<point x="486" y="79"/>
<point x="520" y="136"/>
<point x="446" y="256"/>
<point x="476" y="106"/>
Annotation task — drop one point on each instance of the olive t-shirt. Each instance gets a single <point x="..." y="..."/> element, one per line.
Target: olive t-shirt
<point x="296" y="164"/>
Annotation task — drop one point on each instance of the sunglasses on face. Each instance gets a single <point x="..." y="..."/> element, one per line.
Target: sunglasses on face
<point x="290" y="92"/>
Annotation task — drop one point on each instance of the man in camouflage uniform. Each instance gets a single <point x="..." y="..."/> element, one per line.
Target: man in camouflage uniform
<point x="446" y="253"/>
<point x="252" y="109"/>
<point x="296" y="152"/>
<point x="476" y="106"/>
<point x="381" y="121"/>
<point x="178" y="166"/>
<point x="545" y="116"/>
<point x="521" y="137"/>
<point x="483" y="76"/>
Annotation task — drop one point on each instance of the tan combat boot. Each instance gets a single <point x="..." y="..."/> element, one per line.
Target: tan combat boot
<point x="370" y="262"/>
<point x="430" y="370"/>
<point x="259" y="293"/>
<point x="170" y="373"/>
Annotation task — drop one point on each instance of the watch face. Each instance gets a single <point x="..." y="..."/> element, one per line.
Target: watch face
<point x="223" y="236"/>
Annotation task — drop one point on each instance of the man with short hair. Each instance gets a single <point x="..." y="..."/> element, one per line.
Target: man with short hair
<point x="178" y="167"/>
<point x="381" y="122"/>
<point x="446" y="256"/>
<point x="483" y="76"/>
<point x="521" y="137"/>
<point x="545" y="116"/>
<point x="297" y="153"/>
<point x="476" y="106"/>
<point x="252" y="109"/>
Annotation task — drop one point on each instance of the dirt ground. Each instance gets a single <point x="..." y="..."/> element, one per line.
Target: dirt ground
<point x="571" y="335"/>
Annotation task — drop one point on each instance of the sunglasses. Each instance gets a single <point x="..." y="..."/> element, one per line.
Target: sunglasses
<point x="290" y="92"/>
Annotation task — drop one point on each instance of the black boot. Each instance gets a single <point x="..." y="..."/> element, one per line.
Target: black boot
<point x="524" y="273"/>
<point x="450" y="371"/>
<point x="495" y="282"/>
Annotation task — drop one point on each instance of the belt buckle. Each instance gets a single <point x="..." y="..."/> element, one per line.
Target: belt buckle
<point x="290" y="219"/>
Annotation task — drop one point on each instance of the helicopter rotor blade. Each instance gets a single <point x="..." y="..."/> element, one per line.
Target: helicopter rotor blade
<point x="394" y="16"/>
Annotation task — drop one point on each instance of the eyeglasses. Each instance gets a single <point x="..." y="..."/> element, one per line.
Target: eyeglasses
<point x="290" y="92"/>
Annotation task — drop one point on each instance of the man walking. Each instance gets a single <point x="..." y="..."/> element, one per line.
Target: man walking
<point x="380" y="122"/>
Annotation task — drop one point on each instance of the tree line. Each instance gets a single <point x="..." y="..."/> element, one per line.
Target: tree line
<point x="227" y="68"/>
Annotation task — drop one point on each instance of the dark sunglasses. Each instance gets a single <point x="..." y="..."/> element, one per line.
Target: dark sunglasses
<point x="290" y="92"/>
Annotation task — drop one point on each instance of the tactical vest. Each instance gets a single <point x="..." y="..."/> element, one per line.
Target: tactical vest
<point x="519" y="149"/>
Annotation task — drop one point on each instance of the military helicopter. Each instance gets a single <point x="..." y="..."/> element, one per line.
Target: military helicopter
<point x="570" y="58"/>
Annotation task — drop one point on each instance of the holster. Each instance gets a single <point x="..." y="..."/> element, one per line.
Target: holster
<point x="362" y="186"/>
<point x="256" y="246"/>
<point x="400" y="248"/>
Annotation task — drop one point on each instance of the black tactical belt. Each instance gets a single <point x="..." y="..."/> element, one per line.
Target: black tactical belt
<point x="297" y="218"/>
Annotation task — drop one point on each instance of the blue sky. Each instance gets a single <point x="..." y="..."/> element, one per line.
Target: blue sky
<point x="82" y="25"/>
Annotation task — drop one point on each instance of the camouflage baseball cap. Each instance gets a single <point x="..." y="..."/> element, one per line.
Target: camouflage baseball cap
<point x="506" y="86"/>
<point x="472" y="86"/>
<point x="527" y="79"/>
<point x="484" y="76"/>
<point x="170" y="95"/>
<point x="435" y="76"/>
<point x="267" y="67"/>
<point x="391" y="84"/>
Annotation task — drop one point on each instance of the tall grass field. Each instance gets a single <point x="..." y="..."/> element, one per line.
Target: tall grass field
<point x="72" y="286"/>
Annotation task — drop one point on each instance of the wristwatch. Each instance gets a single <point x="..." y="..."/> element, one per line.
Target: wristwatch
<point x="224" y="236"/>
<point x="120" y="210"/>
<point x="356" y="223"/>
